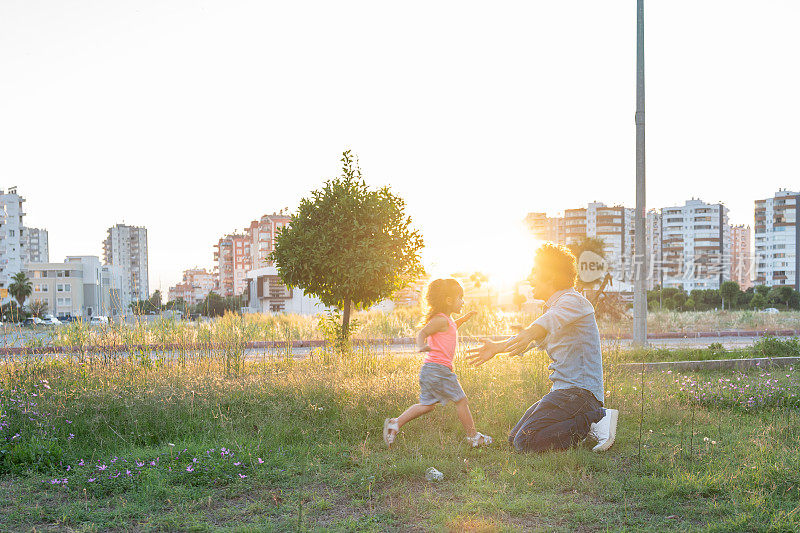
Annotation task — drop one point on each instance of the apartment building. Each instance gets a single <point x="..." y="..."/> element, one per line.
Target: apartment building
<point x="126" y="247"/>
<point x="777" y="240"/>
<point x="262" y="233"/>
<point x="232" y="255"/>
<point x="12" y="238"/>
<point x="615" y="227"/>
<point x="695" y="245"/>
<point x="35" y="245"/>
<point x="741" y="256"/>
<point x="266" y="294"/>
<point x="80" y="287"/>
<point x="612" y="225"/>
<point x="545" y="228"/>
<point x="194" y="288"/>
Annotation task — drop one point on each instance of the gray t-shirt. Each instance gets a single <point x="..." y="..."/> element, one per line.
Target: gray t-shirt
<point x="572" y="342"/>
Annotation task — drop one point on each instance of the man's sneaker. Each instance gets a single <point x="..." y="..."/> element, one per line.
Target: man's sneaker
<point x="605" y="430"/>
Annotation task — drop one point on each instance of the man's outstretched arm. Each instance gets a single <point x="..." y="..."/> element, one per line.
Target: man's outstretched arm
<point x="515" y="345"/>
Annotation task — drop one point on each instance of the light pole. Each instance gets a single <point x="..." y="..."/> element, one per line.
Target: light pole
<point x="640" y="288"/>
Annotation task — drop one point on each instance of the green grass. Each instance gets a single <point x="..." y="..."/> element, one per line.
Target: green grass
<point x="316" y="425"/>
<point x="402" y="322"/>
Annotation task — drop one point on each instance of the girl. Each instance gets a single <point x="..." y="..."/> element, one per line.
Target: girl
<point x="437" y="382"/>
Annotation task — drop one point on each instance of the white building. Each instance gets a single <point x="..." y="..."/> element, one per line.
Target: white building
<point x="695" y="245"/>
<point x="194" y="288"/>
<point x="266" y="294"/>
<point x="126" y="247"/>
<point x="11" y="238"/>
<point x="35" y="245"/>
<point x="777" y="240"/>
<point x="613" y="226"/>
<point x="742" y="256"/>
<point x="80" y="287"/>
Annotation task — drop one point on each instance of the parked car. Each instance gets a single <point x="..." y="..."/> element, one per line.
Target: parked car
<point x="50" y="320"/>
<point x="68" y="318"/>
<point x="770" y="311"/>
<point x="98" y="320"/>
<point x="32" y="321"/>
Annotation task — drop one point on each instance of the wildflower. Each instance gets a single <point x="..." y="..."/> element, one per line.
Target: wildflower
<point x="152" y="463"/>
<point x="128" y="473"/>
<point x="242" y="476"/>
<point x="236" y="463"/>
<point x="139" y="464"/>
<point x="260" y="461"/>
<point x="71" y="436"/>
<point x="170" y="444"/>
<point x="81" y="463"/>
<point x="194" y="459"/>
<point x="69" y="468"/>
<point x="69" y="421"/>
<point x="102" y="467"/>
<point x="55" y="481"/>
<point x="91" y="479"/>
<point x="189" y="468"/>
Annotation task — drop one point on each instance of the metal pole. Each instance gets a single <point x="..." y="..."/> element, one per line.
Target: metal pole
<point x="640" y="287"/>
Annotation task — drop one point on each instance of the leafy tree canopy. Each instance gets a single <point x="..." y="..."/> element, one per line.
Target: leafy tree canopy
<point x="349" y="243"/>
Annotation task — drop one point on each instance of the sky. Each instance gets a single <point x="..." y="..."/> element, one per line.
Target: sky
<point x="194" y="117"/>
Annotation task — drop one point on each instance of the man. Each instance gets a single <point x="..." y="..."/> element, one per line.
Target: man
<point x="567" y="331"/>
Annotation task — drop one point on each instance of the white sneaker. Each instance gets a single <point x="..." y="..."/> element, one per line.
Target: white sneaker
<point x="605" y="430"/>
<point x="479" y="440"/>
<point x="390" y="431"/>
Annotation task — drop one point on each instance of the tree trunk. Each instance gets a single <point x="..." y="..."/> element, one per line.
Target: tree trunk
<point x="346" y="321"/>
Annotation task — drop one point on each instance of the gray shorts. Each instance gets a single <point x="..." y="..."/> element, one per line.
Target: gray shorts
<point x="438" y="384"/>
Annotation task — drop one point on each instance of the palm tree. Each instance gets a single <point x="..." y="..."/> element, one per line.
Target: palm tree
<point x="592" y="244"/>
<point x="21" y="287"/>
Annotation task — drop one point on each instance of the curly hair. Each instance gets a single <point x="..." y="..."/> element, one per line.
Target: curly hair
<point x="438" y="292"/>
<point x="559" y="263"/>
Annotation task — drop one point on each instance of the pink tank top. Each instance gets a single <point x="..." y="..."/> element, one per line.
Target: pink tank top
<point x="443" y="344"/>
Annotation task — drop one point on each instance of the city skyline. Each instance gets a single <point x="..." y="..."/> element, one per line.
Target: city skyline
<point x="121" y="113"/>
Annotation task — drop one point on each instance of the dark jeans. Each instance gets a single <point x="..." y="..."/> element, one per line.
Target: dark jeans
<point x="558" y="421"/>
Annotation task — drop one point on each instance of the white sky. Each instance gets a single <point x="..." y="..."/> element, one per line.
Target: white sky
<point x="194" y="117"/>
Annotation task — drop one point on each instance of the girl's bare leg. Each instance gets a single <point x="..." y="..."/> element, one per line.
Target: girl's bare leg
<point x="415" y="411"/>
<point x="465" y="416"/>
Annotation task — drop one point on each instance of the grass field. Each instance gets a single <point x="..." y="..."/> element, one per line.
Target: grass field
<point x="213" y="442"/>
<point x="233" y="330"/>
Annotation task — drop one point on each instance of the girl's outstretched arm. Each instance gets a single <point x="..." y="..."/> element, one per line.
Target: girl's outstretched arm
<point x="437" y="324"/>
<point x="460" y="320"/>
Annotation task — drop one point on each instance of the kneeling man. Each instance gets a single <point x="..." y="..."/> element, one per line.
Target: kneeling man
<point x="567" y="331"/>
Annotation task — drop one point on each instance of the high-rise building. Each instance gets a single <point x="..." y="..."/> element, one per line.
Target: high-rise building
<point x="741" y="256"/>
<point x="262" y="234"/>
<point x="194" y="288"/>
<point x="12" y="238"/>
<point x="232" y="255"/>
<point x="126" y="247"/>
<point x="35" y="246"/>
<point x="613" y="226"/>
<point x="654" y="258"/>
<point x="545" y="228"/>
<point x="777" y="240"/>
<point x="695" y="245"/>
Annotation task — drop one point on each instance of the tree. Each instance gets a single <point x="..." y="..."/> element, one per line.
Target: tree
<point x="349" y="244"/>
<point x="20" y="288"/>
<point x="12" y="312"/>
<point x="155" y="300"/>
<point x="591" y="244"/>
<point x="38" y="308"/>
<point x="730" y="293"/>
<point x="780" y="294"/>
<point x="758" y="301"/>
<point x="763" y="290"/>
